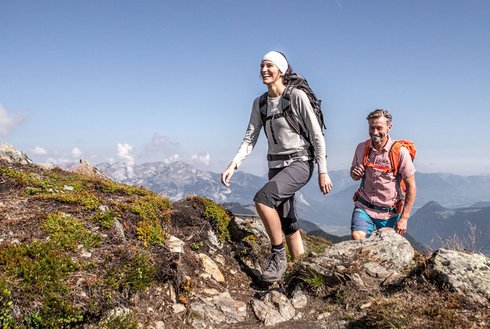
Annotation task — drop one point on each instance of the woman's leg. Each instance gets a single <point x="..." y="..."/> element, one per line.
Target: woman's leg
<point x="295" y="244"/>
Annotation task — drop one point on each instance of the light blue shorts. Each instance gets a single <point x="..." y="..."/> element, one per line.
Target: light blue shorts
<point x="361" y="221"/>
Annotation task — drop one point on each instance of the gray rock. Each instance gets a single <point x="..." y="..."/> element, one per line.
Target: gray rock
<point x="119" y="229"/>
<point x="367" y="263"/>
<point x="273" y="309"/>
<point x="210" y="267"/>
<point x="12" y="155"/>
<point x="299" y="299"/>
<point x="218" y="309"/>
<point x="466" y="273"/>
<point x="175" y="245"/>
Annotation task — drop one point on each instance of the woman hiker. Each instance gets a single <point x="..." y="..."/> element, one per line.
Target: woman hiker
<point x="290" y="158"/>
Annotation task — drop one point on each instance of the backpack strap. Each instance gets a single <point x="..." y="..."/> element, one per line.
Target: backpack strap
<point x="395" y="157"/>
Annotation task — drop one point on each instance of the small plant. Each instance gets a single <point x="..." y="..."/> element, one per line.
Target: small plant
<point x="83" y="198"/>
<point x="217" y="216"/>
<point x="152" y="210"/>
<point x="132" y="272"/>
<point x="68" y="232"/>
<point x="196" y="245"/>
<point x="316" y="282"/>
<point x="6" y="319"/>
<point x="105" y="219"/>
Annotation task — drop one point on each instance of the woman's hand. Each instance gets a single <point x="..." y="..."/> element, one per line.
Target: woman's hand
<point x="226" y="175"/>
<point x="325" y="183"/>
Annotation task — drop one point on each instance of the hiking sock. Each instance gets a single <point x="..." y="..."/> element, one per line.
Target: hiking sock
<point x="278" y="247"/>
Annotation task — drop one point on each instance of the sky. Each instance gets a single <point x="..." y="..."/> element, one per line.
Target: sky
<point x="143" y="81"/>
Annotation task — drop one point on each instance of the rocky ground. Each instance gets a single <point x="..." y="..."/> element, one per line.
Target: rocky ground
<point x="78" y="250"/>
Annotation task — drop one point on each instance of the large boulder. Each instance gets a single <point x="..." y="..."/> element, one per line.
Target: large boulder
<point x="369" y="263"/>
<point x="466" y="273"/>
<point x="12" y="155"/>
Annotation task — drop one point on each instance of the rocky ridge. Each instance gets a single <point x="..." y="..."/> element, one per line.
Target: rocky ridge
<point x="79" y="250"/>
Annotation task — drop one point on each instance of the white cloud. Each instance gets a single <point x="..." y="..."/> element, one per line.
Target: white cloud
<point x="59" y="161"/>
<point x="160" y="147"/>
<point x="8" y="122"/>
<point x="202" y="158"/>
<point x="38" y="150"/>
<point x="124" y="153"/>
<point x="172" y="158"/>
<point x="76" y="152"/>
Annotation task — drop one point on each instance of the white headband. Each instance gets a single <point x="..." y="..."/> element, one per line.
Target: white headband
<point x="278" y="59"/>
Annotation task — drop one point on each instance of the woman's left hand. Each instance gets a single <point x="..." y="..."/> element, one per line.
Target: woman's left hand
<point x="325" y="183"/>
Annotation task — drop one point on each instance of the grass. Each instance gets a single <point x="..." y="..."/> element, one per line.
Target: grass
<point x="153" y="210"/>
<point x="217" y="216"/>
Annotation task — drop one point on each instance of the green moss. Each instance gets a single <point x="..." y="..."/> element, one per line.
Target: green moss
<point x="133" y="273"/>
<point x="68" y="232"/>
<point x="152" y="210"/>
<point x="217" y="216"/>
<point x="83" y="198"/>
<point x="39" y="271"/>
<point x="108" y="186"/>
<point x="26" y="179"/>
<point x="6" y="318"/>
<point x="197" y="245"/>
<point x="105" y="219"/>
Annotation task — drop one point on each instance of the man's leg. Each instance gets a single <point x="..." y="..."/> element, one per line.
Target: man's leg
<point x="361" y="224"/>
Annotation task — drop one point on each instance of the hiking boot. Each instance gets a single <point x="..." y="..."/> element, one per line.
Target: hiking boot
<point x="275" y="266"/>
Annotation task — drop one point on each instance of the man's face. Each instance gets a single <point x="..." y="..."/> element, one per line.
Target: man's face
<point x="378" y="130"/>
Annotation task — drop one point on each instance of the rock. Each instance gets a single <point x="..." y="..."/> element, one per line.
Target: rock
<point x="299" y="299"/>
<point x="159" y="325"/>
<point x="12" y="155"/>
<point x="217" y="309"/>
<point x="119" y="229"/>
<point x="178" y="308"/>
<point x="86" y="169"/>
<point x="466" y="273"/>
<point x="273" y="309"/>
<point x="214" y="242"/>
<point x="175" y="245"/>
<point x="210" y="267"/>
<point x="367" y="263"/>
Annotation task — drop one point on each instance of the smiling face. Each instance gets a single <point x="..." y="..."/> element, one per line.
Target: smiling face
<point x="378" y="130"/>
<point x="270" y="73"/>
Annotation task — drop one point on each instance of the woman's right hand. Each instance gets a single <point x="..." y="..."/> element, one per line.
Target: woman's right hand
<point x="226" y="175"/>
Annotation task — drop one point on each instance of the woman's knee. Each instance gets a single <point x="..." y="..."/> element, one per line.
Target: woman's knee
<point x="267" y="195"/>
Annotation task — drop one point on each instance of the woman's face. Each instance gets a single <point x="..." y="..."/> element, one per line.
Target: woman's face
<point x="270" y="72"/>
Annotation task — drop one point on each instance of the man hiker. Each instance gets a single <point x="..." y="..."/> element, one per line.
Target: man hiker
<point x="387" y="190"/>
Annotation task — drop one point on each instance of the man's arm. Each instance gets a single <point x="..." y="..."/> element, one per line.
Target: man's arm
<point x="401" y="225"/>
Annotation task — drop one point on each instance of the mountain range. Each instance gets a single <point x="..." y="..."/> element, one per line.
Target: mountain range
<point x="455" y="193"/>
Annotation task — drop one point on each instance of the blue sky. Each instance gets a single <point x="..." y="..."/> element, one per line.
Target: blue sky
<point x="141" y="81"/>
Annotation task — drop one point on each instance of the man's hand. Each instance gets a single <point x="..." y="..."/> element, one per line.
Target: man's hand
<point x="401" y="226"/>
<point x="325" y="183"/>
<point x="357" y="172"/>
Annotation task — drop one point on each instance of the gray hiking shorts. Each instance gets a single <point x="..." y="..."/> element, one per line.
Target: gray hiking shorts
<point x="279" y="192"/>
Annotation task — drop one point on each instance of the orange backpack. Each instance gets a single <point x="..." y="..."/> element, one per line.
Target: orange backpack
<point x="395" y="164"/>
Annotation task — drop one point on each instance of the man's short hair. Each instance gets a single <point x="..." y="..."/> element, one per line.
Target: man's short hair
<point x="380" y="113"/>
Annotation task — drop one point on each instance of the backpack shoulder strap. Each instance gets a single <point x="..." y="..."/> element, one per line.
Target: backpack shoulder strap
<point x="395" y="157"/>
<point x="367" y="151"/>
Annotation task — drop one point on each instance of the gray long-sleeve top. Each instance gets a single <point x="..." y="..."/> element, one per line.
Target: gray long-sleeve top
<point x="288" y="141"/>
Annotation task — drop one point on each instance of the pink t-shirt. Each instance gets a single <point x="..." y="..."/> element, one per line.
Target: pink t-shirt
<point x="380" y="187"/>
